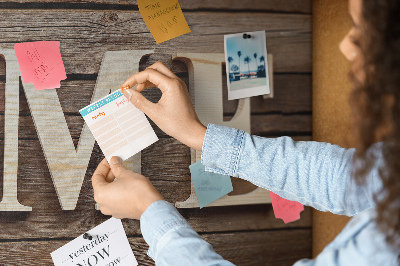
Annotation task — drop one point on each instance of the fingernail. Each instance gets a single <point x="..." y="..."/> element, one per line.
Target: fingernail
<point x="115" y="160"/>
<point x="129" y="92"/>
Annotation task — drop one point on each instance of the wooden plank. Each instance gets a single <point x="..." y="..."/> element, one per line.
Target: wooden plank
<point x="267" y="125"/>
<point x="279" y="124"/>
<point x="261" y="125"/>
<point x="262" y="248"/>
<point x="288" y="6"/>
<point x="178" y="67"/>
<point x="170" y="165"/>
<point x="266" y="5"/>
<point x="250" y="248"/>
<point x="292" y="95"/>
<point x="85" y="35"/>
<point x="76" y="94"/>
<point x="75" y="124"/>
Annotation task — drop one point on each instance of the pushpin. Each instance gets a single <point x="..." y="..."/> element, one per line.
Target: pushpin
<point x="246" y="36"/>
<point x="87" y="236"/>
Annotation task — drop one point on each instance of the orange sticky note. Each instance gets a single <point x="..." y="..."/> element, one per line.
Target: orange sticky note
<point x="288" y="211"/>
<point x="41" y="64"/>
<point x="164" y="18"/>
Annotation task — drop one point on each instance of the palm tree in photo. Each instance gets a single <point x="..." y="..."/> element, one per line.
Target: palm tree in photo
<point x="262" y="59"/>
<point x="230" y="60"/>
<point x="255" y="60"/>
<point x="239" y="54"/>
<point x="247" y="60"/>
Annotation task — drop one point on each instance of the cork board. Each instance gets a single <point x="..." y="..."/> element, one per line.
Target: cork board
<point x="331" y="89"/>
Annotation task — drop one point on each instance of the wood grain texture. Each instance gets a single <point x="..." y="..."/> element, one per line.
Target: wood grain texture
<point x="292" y="6"/>
<point x="9" y="200"/>
<point x="292" y="95"/>
<point x="86" y="31"/>
<point x="250" y="248"/>
<point x="47" y="220"/>
<point x="267" y="125"/>
<point x="287" y="35"/>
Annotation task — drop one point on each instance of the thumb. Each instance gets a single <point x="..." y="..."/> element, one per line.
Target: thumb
<point x="117" y="167"/>
<point x="99" y="176"/>
<point x="138" y="100"/>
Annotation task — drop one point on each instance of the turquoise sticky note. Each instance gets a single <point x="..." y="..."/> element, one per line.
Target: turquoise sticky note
<point x="209" y="186"/>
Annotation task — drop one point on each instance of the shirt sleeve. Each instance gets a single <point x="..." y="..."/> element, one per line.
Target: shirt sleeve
<point x="312" y="173"/>
<point x="172" y="241"/>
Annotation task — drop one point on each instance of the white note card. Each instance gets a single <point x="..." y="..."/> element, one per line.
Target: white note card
<point x="108" y="247"/>
<point x="118" y="126"/>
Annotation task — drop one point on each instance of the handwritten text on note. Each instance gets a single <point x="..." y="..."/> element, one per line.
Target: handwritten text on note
<point x="209" y="186"/>
<point x="41" y="63"/>
<point x="164" y="18"/>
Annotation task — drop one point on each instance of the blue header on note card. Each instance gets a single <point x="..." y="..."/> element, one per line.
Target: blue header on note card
<point x="100" y="103"/>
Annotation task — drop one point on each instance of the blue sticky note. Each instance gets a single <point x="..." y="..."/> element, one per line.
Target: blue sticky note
<point x="209" y="186"/>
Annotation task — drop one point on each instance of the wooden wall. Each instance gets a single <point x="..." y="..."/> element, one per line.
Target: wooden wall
<point x="245" y="235"/>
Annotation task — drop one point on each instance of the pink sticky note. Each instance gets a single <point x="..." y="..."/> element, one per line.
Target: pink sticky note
<point x="41" y="64"/>
<point x="288" y="211"/>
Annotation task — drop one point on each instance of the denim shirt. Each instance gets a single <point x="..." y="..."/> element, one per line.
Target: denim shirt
<point x="312" y="173"/>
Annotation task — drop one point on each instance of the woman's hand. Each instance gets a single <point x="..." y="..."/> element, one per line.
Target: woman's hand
<point x="174" y="113"/>
<point x="126" y="197"/>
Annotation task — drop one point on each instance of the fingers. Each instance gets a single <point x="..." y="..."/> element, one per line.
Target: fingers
<point x="110" y="177"/>
<point x="160" y="67"/>
<point x="160" y="80"/>
<point x="140" y="102"/>
<point x="117" y="167"/>
<point x="142" y="86"/>
<point x="99" y="176"/>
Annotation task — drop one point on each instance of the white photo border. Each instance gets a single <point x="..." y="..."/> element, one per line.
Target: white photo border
<point x="248" y="92"/>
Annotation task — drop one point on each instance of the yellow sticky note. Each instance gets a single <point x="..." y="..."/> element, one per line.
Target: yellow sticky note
<point x="164" y="18"/>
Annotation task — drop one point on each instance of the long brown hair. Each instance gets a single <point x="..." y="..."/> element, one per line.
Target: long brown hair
<point x="376" y="105"/>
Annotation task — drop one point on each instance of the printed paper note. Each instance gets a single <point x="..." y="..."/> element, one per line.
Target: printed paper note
<point x="41" y="64"/>
<point x="164" y="18"/>
<point x="118" y="126"/>
<point x="209" y="186"/>
<point x="108" y="246"/>
<point x="288" y="211"/>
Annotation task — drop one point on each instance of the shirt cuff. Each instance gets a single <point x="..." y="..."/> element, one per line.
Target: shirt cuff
<point x="157" y="220"/>
<point x="222" y="148"/>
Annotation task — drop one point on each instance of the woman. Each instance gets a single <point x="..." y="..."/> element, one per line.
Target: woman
<point x="360" y="182"/>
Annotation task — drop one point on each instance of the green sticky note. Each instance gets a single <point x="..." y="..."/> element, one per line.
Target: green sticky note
<point x="209" y="186"/>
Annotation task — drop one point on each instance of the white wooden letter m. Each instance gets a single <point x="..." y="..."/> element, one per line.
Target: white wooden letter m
<point x="67" y="165"/>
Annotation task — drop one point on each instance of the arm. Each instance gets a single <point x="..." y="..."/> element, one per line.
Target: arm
<point x="312" y="173"/>
<point x="315" y="174"/>
<point x="171" y="239"/>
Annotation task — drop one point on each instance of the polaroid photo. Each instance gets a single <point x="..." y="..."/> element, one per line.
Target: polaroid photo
<point x="246" y="64"/>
